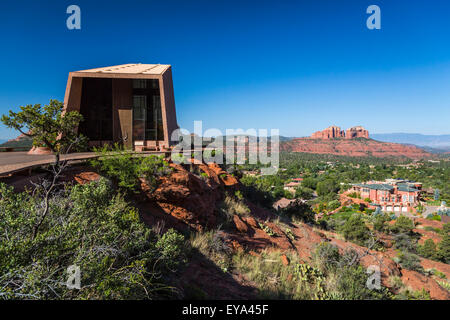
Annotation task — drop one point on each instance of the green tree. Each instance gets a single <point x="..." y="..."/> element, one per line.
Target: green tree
<point x="47" y="126"/>
<point x="379" y="223"/>
<point x="310" y="183"/>
<point x="326" y="187"/>
<point x="443" y="252"/>
<point x="428" y="250"/>
<point x="355" y="230"/>
<point x="304" y="193"/>
<point x="403" y="225"/>
<point x="436" y="194"/>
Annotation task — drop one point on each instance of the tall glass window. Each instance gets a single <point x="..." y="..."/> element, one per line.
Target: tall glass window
<point x="147" y="117"/>
<point x="139" y="116"/>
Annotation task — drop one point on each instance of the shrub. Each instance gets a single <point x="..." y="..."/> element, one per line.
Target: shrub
<point x="171" y="247"/>
<point x="410" y="261"/>
<point x="299" y="211"/>
<point x="212" y="245"/>
<point x="428" y="249"/>
<point x="443" y="253"/>
<point x="326" y="256"/>
<point x="304" y="193"/>
<point x="334" y="204"/>
<point x="379" y="223"/>
<point x="120" y="165"/>
<point x="403" y="225"/>
<point x="405" y="242"/>
<point x="87" y="226"/>
<point x="151" y="168"/>
<point x="355" y="229"/>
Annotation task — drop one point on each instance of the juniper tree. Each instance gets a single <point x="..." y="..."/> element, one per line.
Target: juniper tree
<point x="47" y="125"/>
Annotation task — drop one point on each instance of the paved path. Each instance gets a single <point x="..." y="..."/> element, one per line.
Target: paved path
<point x="16" y="161"/>
<point x="429" y="210"/>
<point x="11" y="162"/>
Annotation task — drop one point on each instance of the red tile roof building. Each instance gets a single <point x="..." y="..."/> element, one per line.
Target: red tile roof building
<point x="390" y="195"/>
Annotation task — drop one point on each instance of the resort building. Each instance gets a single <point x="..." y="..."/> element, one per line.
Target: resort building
<point x="132" y="104"/>
<point x="292" y="186"/>
<point x="391" y="195"/>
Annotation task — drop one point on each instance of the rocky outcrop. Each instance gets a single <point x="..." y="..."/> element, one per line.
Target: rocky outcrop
<point x="356" y="132"/>
<point x="329" y="133"/>
<point x="334" y="132"/>
<point x="190" y="198"/>
<point x="353" y="148"/>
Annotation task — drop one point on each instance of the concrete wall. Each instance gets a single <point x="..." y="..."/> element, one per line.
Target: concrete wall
<point x="168" y="101"/>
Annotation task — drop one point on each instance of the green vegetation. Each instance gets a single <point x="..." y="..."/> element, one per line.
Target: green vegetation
<point x="443" y="252"/>
<point x="47" y="126"/>
<point x="89" y="226"/>
<point x="125" y="169"/>
<point x="328" y="276"/>
<point x="212" y="244"/>
<point x="355" y="230"/>
<point x="428" y="249"/>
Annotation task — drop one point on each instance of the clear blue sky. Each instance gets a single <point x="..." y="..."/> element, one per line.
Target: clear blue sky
<point x="299" y="66"/>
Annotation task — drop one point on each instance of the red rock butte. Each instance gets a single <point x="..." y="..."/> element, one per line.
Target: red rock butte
<point x="334" y="132"/>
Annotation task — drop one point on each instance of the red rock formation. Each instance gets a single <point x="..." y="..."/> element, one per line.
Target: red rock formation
<point x="334" y="132"/>
<point x="40" y="150"/>
<point x="356" y="132"/>
<point x="329" y="133"/>
<point x="239" y="224"/>
<point x="189" y="198"/>
<point x="354" y="148"/>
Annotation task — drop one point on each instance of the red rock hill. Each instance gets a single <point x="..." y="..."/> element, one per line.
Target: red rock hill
<point x="360" y="147"/>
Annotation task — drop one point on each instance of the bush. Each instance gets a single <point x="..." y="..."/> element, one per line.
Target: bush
<point x="379" y="223"/>
<point x="304" y="193"/>
<point x="299" y="211"/>
<point x="327" y="187"/>
<point x="151" y="168"/>
<point x="410" y="261"/>
<point x="87" y="226"/>
<point x="171" y="247"/>
<point x="443" y="253"/>
<point x="405" y="242"/>
<point x="403" y="225"/>
<point x="334" y="204"/>
<point x="355" y="230"/>
<point x="428" y="249"/>
<point x="120" y="165"/>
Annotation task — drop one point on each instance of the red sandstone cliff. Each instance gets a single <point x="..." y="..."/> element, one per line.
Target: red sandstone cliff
<point x="356" y="132"/>
<point x="329" y="133"/>
<point x="353" y="148"/>
<point x="334" y="132"/>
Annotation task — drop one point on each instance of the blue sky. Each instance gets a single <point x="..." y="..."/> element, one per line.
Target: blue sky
<point x="298" y="66"/>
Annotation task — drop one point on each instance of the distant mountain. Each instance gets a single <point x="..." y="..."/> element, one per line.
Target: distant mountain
<point x="436" y="142"/>
<point x="283" y="139"/>
<point x="21" y="142"/>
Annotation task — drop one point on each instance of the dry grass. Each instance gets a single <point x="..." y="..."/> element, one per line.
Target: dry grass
<point x="211" y="244"/>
